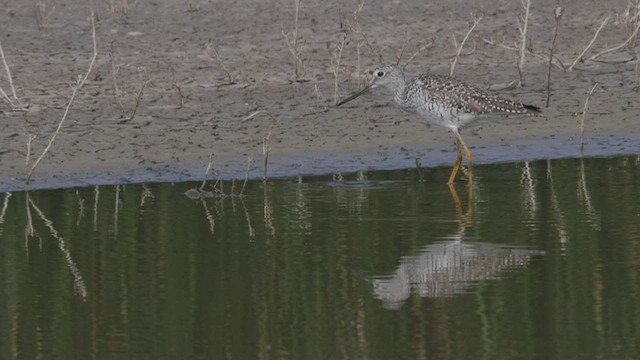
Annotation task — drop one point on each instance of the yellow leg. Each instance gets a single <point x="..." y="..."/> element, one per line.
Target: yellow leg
<point x="465" y="219"/>
<point x="467" y="154"/>
<point x="457" y="164"/>
<point x="456" y="200"/>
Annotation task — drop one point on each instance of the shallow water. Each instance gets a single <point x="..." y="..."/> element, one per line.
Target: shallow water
<point x="537" y="260"/>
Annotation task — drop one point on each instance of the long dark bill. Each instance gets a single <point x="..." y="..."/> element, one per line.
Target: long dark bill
<point x="366" y="88"/>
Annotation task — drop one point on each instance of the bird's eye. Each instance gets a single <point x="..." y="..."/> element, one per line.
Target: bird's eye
<point x="380" y="74"/>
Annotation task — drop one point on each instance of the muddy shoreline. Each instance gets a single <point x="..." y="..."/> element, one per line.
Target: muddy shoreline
<point x="293" y="165"/>
<point x="189" y="109"/>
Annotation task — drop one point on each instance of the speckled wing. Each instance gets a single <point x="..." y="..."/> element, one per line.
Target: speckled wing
<point x="468" y="98"/>
<point x="490" y="104"/>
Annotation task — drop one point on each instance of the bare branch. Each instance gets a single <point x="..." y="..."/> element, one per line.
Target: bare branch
<point x="615" y="48"/>
<point x="246" y="175"/>
<point x="295" y="49"/>
<point x="579" y="58"/>
<point x="266" y="149"/>
<point x="404" y="46"/>
<point x="425" y="45"/>
<point x="80" y="81"/>
<point x="357" y="29"/>
<point x="556" y="62"/>
<point x="206" y="172"/>
<point x="137" y="104"/>
<point x="117" y="94"/>
<point x="585" y="109"/>
<point x="557" y="18"/>
<point x="335" y="61"/>
<point x="95" y="50"/>
<point x="255" y="113"/>
<point x="476" y="20"/>
<point x="15" y="105"/>
<point x="55" y="134"/>
<point x="212" y="53"/>
<point x="28" y="142"/>
<point x="523" y="41"/>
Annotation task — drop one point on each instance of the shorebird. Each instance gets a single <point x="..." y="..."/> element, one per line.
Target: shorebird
<point x="442" y="101"/>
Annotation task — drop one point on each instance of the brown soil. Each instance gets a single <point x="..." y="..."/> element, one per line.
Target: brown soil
<point x="173" y="132"/>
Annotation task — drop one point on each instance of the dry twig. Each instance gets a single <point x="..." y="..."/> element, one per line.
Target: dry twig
<point x="206" y="173"/>
<point x="266" y="149"/>
<point x="246" y="175"/>
<point x="476" y="20"/>
<point x="404" y="46"/>
<point x="212" y="53"/>
<point x="28" y="142"/>
<point x="585" y="109"/>
<point x="256" y="113"/>
<point x="56" y="132"/>
<point x="631" y="18"/>
<point x="636" y="75"/>
<point x="79" y="83"/>
<point x="523" y="41"/>
<point x="41" y="13"/>
<point x="15" y="103"/>
<point x="119" y="8"/>
<point x="421" y="46"/>
<point x="335" y="61"/>
<point x="117" y="93"/>
<point x="579" y="58"/>
<point x="137" y="103"/>
<point x="174" y="84"/>
<point x="557" y="17"/>
<point x="295" y="45"/>
<point x="355" y="27"/>
<point x="626" y="43"/>
<point x="556" y="62"/>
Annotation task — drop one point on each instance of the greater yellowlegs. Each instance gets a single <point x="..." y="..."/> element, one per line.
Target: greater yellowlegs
<point x="442" y="101"/>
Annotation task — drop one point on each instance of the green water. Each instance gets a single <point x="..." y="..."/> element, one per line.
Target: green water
<point x="542" y="261"/>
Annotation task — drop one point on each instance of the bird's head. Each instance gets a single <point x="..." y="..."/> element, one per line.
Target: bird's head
<point x="389" y="76"/>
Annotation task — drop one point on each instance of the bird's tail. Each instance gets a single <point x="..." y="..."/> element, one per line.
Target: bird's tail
<point x="531" y="108"/>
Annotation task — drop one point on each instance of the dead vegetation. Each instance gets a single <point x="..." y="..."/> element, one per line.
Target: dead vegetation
<point x="295" y="44"/>
<point x="458" y="46"/>
<point x="211" y="51"/>
<point x="43" y="12"/>
<point x="217" y="189"/>
<point x="80" y="287"/>
<point x="351" y="50"/>
<point x="335" y="62"/>
<point x="557" y="16"/>
<point x="354" y="26"/>
<point x="583" y="114"/>
<point x="357" y="36"/>
<point x="119" y="9"/>
<point x="13" y="101"/>
<point x="523" y="23"/>
<point x="127" y="97"/>
<point x="78" y="85"/>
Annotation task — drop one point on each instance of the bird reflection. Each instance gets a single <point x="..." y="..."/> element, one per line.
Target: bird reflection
<point x="448" y="268"/>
